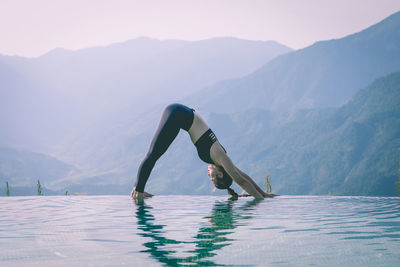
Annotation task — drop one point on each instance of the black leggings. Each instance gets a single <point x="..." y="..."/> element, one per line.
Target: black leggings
<point x="174" y="118"/>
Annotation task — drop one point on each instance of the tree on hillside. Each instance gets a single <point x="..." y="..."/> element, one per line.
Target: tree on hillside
<point x="398" y="181"/>
<point x="267" y="183"/>
<point x="39" y="189"/>
<point x="8" y="189"/>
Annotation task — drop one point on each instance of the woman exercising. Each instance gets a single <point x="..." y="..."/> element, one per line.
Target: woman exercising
<point x="221" y="169"/>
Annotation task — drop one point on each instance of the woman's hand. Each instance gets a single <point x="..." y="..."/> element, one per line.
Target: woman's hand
<point x="269" y="194"/>
<point x="139" y="195"/>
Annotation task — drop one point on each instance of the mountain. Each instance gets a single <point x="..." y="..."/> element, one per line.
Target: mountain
<point x="354" y="150"/>
<point x="326" y="74"/>
<point x="258" y="115"/>
<point x="351" y="150"/>
<point x="301" y="116"/>
<point x="62" y="93"/>
<point x="287" y="118"/>
<point x="22" y="170"/>
<point x="24" y="103"/>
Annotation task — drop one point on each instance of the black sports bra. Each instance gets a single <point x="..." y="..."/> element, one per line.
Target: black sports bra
<point x="203" y="145"/>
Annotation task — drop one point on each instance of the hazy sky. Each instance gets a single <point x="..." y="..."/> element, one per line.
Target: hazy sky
<point x="33" y="27"/>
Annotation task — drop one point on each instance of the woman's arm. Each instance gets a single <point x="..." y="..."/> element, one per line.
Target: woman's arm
<point x="265" y="194"/>
<point x="219" y="156"/>
<point x="252" y="181"/>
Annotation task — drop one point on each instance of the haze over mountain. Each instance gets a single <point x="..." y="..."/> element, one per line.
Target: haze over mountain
<point x="55" y="96"/>
<point x="22" y="170"/>
<point x="351" y="150"/>
<point x="255" y="130"/>
<point x="326" y="74"/>
<point x="298" y="117"/>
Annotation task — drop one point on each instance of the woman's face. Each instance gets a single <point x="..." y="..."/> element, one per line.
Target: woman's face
<point x="214" y="172"/>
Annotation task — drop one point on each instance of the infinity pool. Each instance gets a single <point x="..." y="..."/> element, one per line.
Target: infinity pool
<point x="199" y="230"/>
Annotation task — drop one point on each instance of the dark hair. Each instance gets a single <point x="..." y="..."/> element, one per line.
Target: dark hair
<point x="225" y="182"/>
<point x="232" y="193"/>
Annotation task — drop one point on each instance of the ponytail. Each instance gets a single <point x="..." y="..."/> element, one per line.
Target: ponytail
<point x="232" y="193"/>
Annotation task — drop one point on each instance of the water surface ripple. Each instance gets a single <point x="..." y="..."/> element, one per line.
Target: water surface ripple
<point x="199" y="230"/>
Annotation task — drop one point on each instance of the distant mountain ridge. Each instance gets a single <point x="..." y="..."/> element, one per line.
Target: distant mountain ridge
<point x="301" y="116"/>
<point x="22" y="170"/>
<point x="262" y="132"/>
<point x="71" y="90"/>
<point x="351" y="150"/>
<point x="326" y="74"/>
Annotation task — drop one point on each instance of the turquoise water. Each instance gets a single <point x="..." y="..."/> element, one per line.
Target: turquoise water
<point x="204" y="230"/>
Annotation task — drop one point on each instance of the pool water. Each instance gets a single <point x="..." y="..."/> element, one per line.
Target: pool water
<point x="199" y="230"/>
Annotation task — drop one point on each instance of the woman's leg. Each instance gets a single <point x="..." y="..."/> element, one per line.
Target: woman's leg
<point x="173" y="119"/>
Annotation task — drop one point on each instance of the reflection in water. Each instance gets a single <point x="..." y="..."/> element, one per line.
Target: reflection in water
<point x="223" y="220"/>
<point x="194" y="230"/>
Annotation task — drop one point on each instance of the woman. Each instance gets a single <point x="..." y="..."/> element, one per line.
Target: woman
<point x="221" y="169"/>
